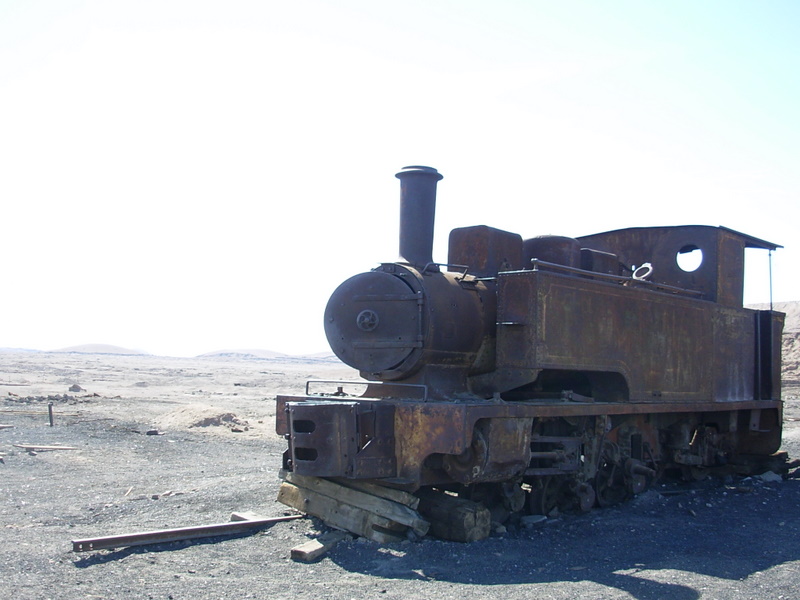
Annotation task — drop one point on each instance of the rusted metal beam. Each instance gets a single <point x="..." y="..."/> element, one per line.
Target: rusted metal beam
<point x="40" y="448"/>
<point x="13" y="411"/>
<point x="175" y="535"/>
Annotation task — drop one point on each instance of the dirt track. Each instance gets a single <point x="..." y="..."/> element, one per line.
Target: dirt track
<point x="217" y="453"/>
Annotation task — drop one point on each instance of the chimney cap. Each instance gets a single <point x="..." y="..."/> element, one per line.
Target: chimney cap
<point x="421" y="170"/>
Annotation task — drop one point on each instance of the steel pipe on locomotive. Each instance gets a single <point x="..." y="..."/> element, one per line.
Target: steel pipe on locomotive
<point x="551" y="370"/>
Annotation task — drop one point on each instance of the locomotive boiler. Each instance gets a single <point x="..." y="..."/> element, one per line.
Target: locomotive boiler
<point x="543" y="372"/>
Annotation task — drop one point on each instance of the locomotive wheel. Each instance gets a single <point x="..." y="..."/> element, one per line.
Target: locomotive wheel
<point x="609" y="484"/>
<point x="586" y="497"/>
<point x="638" y="476"/>
<point x="513" y="496"/>
<point x="695" y="473"/>
<point x="548" y="493"/>
<point x="502" y="499"/>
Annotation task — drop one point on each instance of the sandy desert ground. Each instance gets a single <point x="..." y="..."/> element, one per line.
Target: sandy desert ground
<point x="216" y="452"/>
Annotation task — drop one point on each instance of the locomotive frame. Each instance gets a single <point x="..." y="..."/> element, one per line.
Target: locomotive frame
<point x="542" y="373"/>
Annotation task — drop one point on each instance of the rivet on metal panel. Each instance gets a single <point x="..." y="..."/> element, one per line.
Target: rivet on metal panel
<point x="755" y="420"/>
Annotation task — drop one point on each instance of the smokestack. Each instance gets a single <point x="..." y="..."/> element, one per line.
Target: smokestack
<point x="417" y="210"/>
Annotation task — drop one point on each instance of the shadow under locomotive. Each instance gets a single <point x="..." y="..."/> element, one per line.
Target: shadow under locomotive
<point x="542" y="373"/>
<point x="650" y="550"/>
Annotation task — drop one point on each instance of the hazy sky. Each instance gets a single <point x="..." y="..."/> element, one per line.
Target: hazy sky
<point x="188" y="176"/>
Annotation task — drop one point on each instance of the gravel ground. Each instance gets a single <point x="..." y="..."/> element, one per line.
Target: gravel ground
<point x="734" y="540"/>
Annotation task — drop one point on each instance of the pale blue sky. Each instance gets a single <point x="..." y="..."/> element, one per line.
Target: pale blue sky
<point x="185" y="176"/>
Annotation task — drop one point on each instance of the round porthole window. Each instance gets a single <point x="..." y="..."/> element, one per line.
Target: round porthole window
<point x="689" y="258"/>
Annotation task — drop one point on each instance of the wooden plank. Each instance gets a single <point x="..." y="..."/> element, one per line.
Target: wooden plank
<point x="380" y="506"/>
<point x="250" y="516"/>
<point x="395" y="495"/>
<point x="314" y="549"/>
<point x="453" y="518"/>
<point x="381" y="491"/>
<point x="339" y="514"/>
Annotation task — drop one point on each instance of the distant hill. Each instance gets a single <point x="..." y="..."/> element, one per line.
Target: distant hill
<point x="323" y="355"/>
<point x="99" y="349"/>
<point x="15" y="350"/>
<point x="242" y="354"/>
<point x="251" y="354"/>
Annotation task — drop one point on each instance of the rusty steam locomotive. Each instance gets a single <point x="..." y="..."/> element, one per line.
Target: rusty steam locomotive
<point x="545" y="372"/>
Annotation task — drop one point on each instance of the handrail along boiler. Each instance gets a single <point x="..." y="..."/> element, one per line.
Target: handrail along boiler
<point x="544" y="372"/>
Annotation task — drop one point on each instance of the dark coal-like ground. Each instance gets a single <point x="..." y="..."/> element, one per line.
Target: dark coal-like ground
<point x="217" y="453"/>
